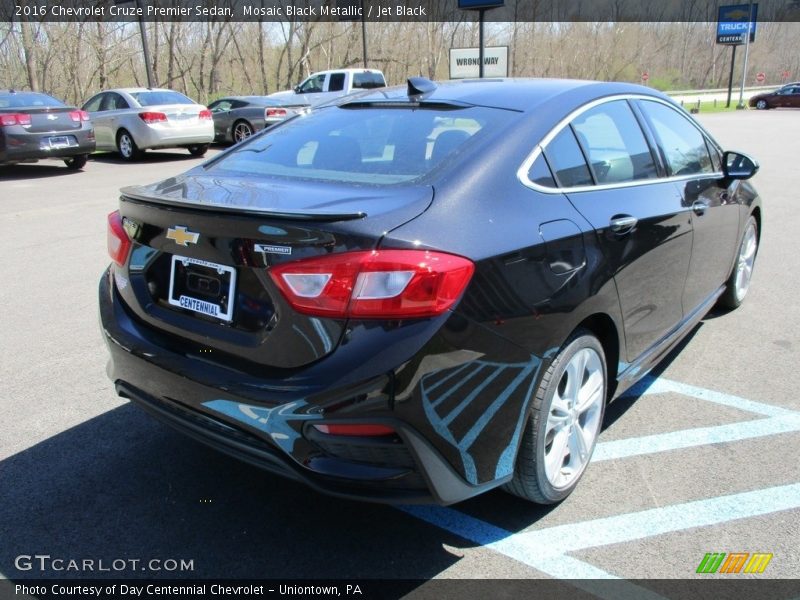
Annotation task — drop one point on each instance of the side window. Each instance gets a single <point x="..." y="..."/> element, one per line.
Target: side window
<point x="567" y="161"/>
<point x="312" y="85"/>
<point x="336" y="83"/>
<point x="93" y="105"/>
<point x="614" y="143"/>
<point x="118" y="102"/>
<point x="540" y="174"/>
<point x="682" y="144"/>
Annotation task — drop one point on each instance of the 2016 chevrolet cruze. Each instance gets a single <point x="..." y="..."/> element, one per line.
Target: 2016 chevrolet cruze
<point x="426" y="292"/>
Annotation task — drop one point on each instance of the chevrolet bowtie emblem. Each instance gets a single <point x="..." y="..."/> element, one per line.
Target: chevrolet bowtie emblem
<point x="181" y="236"/>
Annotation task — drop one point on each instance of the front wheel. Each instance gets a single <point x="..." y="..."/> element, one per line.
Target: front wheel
<point x="738" y="283"/>
<point x="762" y="105"/>
<point x="564" y="423"/>
<point x="198" y="149"/>
<point x="76" y="163"/>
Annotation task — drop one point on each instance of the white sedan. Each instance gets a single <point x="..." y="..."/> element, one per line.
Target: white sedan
<point x="131" y="120"/>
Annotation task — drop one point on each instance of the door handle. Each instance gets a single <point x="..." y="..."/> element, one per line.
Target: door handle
<point x="623" y="223"/>
<point x="699" y="207"/>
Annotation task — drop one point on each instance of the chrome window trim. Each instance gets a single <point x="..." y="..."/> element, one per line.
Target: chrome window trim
<point x="522" y="172"/>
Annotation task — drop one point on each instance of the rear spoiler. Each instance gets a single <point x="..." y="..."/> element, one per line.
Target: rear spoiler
<point x="141" y="195"/>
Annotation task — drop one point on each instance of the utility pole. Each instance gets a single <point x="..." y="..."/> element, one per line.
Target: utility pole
<point x="145" y="50"/>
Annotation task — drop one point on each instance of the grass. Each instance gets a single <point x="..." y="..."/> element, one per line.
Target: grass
<point x="710" y="106"/>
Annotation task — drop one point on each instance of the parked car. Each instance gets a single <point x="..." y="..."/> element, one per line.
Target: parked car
<point x="327" y="85"/>
<point x="34" y="126"/>
<point x="427" y="292"/>
<point x="133" y="120"/>
<point x="788" y="96"/>
<point x="236" y="118"/>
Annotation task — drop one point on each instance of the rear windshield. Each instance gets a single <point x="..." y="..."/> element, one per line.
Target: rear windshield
<point x="364" y="145"/>
<point x="157" y="98"/>
<point x="28" y="100"/>
<point x="368" y="81"/>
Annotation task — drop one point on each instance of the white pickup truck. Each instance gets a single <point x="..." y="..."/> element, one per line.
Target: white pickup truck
<point x="327" y="85"/>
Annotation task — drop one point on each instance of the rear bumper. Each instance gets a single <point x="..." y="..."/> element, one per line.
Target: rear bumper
<point x="273" y="430"/>
<point x="147" y="136"/>
<point x="30" y="146"/>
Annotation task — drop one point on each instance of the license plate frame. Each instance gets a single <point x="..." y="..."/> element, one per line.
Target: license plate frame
<point x="217" y="305"/>
<point x="57" y="142"/>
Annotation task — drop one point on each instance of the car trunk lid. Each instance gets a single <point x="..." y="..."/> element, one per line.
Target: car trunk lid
<point x="202" y="247"/>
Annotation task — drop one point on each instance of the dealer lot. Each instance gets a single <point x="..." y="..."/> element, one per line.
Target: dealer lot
<point x="85" y="475"/>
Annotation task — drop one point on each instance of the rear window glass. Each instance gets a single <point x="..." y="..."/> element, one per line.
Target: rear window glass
<point x="25" y="100"/>
<point x="363" y="145"/>
<point x="157" y="98"/>
<point x="368" y="80"/>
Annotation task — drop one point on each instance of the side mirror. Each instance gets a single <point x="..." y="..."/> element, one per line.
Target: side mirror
<point x="297" y="89"/>
<point x="736" y="165"/>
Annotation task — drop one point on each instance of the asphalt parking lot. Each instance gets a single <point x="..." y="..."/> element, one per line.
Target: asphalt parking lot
<point x="701" y="457"/>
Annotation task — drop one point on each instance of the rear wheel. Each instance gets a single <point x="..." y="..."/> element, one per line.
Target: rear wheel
<point x="762" y="105"/>
<point x="564" y="423"/>
<point x="198" y="149"/>
<point x="127" y="147"/>
<point x="738" y="283"/>
<point x="76" y="163"/>
<point x="241" y="131"/>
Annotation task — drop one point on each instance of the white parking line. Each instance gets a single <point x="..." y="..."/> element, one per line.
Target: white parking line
<point x="545" y="549"/>
<point x="701" y="436"/>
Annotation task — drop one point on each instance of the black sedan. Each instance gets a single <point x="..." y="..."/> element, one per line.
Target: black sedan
<point x="35" y="126"/>
<point x="424" y="293"/>
<point x="238" y="117"/>
<point x="787" y="96"/>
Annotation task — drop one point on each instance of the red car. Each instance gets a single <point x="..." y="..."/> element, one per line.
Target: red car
<point x="786" y="97"/>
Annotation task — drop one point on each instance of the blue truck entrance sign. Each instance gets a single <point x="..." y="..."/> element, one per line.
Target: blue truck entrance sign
<point x="734" y="21"/>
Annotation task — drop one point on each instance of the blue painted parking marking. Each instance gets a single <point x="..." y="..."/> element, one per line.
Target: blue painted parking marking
<point x="546" y="550"/>
<point x="781" y="420"/>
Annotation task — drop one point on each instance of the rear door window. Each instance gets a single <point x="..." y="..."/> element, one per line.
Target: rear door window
<point x="336" y="82"/>
<point x="567" y="161"/>
<point x="368" y="80"/>
<point x="681" y="142"/>
<point x="614" y="143"/>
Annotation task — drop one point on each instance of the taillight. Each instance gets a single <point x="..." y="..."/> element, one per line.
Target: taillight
<point x="275" y="112"/>
<point x="9" y="119"/>
<point x="381" y="284"/>
<point x="79" y="115"/>
<point x="355" y="429"/>
<point x="119" y="244"/>
<point x="152" y="117"/>
<point x="205" y="114"/>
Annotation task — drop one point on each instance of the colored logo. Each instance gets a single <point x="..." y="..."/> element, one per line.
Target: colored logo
<point x="181" y="236"/>
<point x="734" y="562"/>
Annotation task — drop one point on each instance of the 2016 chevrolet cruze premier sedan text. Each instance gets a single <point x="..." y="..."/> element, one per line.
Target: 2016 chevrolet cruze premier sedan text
<point x="426" y="292"/>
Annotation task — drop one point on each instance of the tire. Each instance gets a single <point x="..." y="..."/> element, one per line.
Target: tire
<point x="76" y="163"/>
<point x="241" y="130"/>
<point x="762" y="105"/>
<point x="198" y="149"/>
<point x="559" y="422"/>
<point x="738" y="283"/>
<point x="127" y="146"/>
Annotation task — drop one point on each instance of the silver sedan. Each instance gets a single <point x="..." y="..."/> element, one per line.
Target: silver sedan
<point x="132" y="120"/>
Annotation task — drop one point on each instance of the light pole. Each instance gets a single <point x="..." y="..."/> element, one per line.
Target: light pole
<point x="740" y="106"/>
<point x="143" y="32"/>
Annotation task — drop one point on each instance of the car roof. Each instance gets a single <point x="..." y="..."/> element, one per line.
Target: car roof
<point x="523" y="95"/>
